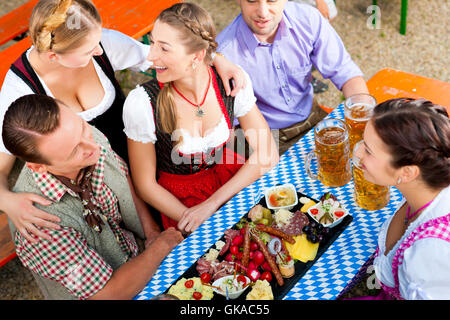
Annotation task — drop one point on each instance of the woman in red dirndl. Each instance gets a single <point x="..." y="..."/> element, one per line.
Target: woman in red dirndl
<point x="188" y="179"/>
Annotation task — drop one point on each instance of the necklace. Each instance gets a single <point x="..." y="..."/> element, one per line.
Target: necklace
<point x="409" y="217"/>
<point x="200" y="112"/>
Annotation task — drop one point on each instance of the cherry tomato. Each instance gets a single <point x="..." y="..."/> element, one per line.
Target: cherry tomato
<point x="339" y="213"/>
<point x="197" y="295"/>
<point x="234" y="250"/>
<point x="314" y="211"/>
<point x="189" y="284"/>
<point x="266" y="275"/>
<point x="252" y="265"/>
<point x="205" y="277"/>
<point x="242" y="231"/>
<point x="242" y="278"/>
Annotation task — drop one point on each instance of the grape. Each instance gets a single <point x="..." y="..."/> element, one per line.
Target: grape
<point x="313" y="224"/>
<point x="312" y="238"/>
<point x="320" y="227"/>
<point x="307" y="228"/>
<point x="325" y="231"/>
<point x="320" y="238"/>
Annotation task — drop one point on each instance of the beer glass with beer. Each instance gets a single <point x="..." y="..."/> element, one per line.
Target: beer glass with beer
<point x="332" y="153"/>
<point x="358" y="109"/>
<point x="368" y="195"/>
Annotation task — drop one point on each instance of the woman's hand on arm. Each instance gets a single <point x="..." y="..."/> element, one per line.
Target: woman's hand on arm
<point x="227" y="71"/>
<point x="20" y="209"/>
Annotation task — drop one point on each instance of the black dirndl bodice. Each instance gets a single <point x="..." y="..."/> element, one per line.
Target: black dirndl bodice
<point x="109" y="123"/>
<point x="170" y="160"/>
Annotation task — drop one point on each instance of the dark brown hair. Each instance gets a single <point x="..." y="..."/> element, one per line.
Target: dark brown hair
<point x="417" y="132"/>
<point x="27" y="119"/>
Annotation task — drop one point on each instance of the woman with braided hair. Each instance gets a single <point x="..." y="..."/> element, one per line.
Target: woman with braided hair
<point x="179" y="125"/>
<point x="74" y="59"/>
<point x="407" y="145"/>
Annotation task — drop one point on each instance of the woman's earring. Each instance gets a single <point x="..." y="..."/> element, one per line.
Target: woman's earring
<point x="194" y="65"/>
<point x="399" y="180"/>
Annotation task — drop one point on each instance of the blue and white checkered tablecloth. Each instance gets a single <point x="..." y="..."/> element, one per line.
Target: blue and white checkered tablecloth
<point x="330" y="273"/>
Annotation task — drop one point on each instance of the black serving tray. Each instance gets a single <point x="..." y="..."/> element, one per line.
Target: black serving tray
<point x="300" y="267"/>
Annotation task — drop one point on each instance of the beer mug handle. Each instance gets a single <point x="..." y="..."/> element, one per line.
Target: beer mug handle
<point x="312" y="154"/>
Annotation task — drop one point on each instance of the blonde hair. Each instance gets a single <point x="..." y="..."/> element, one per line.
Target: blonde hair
<point x="197" y="31"/>
<point x="62" y="25"/>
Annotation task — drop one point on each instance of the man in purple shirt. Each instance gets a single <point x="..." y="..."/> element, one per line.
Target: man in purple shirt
<point x="277" y="43"/>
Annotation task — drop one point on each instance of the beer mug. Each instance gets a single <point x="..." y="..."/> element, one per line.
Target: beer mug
<point x="368" y="195"/>
<point x="332" y="153"/>
<point x="357" y="111"/>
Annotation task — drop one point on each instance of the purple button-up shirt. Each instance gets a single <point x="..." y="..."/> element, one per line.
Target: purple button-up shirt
<point x="281" y="71"/>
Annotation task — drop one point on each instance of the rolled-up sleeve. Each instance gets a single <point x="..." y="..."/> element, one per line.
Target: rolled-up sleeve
<point x="330" y="56"/>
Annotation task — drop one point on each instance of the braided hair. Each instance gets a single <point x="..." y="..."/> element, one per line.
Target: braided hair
<point x="197" y="32"/>
<point x="417" y="132"/>
<point x="62" y="25"/>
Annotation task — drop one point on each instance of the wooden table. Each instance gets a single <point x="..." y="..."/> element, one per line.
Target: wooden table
<point x="329" y="276"/>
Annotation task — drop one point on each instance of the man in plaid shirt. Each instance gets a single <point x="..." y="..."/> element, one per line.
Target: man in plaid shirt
<point x="94" y="253"/>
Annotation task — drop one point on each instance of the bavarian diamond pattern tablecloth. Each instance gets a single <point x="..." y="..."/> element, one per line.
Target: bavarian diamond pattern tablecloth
<point x="331" y="272"/>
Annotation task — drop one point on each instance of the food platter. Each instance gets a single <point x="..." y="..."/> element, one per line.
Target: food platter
<point x="299" y="267"/>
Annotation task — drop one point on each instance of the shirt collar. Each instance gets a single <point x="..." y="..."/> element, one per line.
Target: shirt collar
<point x="247" y="38"/>
<point x="54" y="190"/>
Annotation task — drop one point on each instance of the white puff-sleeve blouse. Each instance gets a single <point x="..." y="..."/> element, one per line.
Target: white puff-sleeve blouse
<point x="140" y="126"/>
<point x="123" y="52"/>
<point x="425" y="271"/>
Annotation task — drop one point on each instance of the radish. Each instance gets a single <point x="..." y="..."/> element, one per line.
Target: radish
<point x="253" y="274"/>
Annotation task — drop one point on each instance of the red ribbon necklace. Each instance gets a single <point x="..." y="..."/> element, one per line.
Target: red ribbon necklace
<point x="200" y="112"/>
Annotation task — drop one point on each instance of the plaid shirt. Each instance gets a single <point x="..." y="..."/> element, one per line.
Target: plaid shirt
<point x="68" y="259"/>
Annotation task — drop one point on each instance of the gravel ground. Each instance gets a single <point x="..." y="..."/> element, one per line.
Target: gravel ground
<point x="424" y="50"/>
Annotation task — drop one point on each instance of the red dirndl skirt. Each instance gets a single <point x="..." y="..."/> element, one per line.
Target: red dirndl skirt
<point x="195" y="188"/>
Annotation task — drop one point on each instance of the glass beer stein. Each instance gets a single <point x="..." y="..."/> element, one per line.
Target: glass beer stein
<point x="332" y="153"/>
<point x="357" y="111"/>
<point x="368" y="195"/>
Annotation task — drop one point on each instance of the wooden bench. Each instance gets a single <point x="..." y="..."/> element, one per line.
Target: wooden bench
<point x="390" y="83"/>
<point x="7" y="251"/>
<point x="15" y="23"/>
<point x="134" y="18"/>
